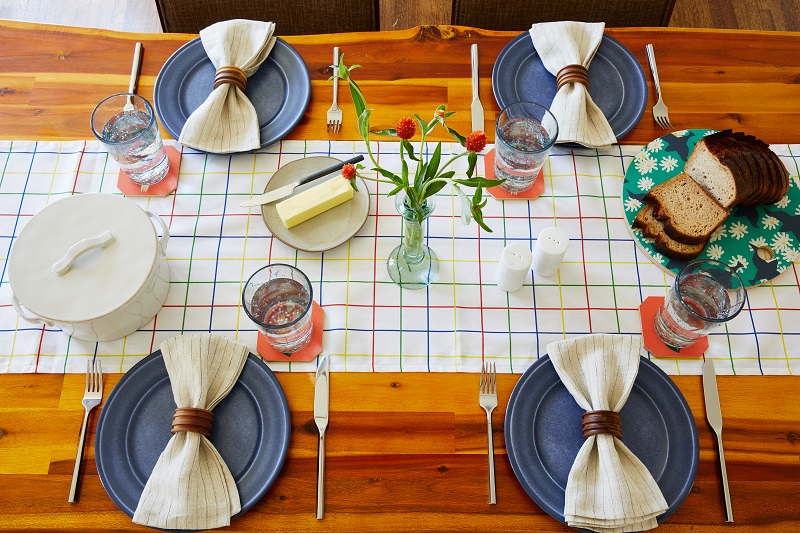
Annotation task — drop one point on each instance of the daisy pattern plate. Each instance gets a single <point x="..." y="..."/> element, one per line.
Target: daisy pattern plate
<point x="760" y="241"/>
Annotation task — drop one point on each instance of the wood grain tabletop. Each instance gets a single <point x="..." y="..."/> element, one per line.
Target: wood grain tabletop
<point x="405" y="451"/>
<point x="51" y="77"/>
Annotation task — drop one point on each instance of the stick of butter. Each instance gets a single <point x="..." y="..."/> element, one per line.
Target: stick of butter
<point x="314" y="201"/>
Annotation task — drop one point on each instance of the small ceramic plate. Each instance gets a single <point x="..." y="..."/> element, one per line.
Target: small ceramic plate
<point x="326" y="230"/>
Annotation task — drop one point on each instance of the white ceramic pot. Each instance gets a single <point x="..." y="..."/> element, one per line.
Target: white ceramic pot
<point x="92" y="265"/>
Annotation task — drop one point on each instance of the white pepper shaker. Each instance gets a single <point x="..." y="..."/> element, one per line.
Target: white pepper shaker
<point x="515" y="263"/>
<point x="551" y="245"/>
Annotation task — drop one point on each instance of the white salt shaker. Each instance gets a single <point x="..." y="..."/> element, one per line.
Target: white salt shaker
<point x="551" y="245"/>
<point x="515" y="263"/>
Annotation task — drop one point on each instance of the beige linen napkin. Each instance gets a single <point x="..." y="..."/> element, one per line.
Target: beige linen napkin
<point x="190" y="486"/>
<point x="608" y="488"/>
<point x="227" y="121"/>
<point x="573" y="43"/>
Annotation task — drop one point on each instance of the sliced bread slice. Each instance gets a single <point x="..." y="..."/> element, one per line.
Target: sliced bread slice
<point x="689" y="214"/>
<point x="715" y="164"/>
<point x="653" y="228"/>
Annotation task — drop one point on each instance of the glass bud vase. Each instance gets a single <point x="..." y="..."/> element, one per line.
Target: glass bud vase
<point x="413" y="265"/>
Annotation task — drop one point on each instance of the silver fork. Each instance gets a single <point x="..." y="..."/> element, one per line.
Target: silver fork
<point x="660" y="111"/>
<point x="91" y="399"/>
<point x="488" y="400"/>
<point x="334" y="113"/>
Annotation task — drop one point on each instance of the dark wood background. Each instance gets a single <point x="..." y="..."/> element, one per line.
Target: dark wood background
<point x="141" y="16"/>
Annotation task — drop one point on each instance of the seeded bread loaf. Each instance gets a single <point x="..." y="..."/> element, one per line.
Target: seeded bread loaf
<point x="689" y="214"/>
<point x="653" y="228"/>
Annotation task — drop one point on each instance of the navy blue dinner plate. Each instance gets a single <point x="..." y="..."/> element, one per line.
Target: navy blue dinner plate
<point x="279" y="90"/>
<point x="543" y="434"/>
<point x="250" y="430"/>
<point x="616" y="81"/>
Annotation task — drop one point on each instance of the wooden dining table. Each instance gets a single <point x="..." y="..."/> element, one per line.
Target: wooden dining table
<point x="406" y="451"/>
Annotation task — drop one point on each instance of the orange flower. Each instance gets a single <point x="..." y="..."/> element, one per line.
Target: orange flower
<point x="406" y="128"/>
<point x="476" y="141"/>
<point x="349" y="171"/>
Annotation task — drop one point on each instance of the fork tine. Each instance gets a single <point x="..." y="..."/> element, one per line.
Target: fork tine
<point x="494" y="378"/>
<point x="98" y="376"/>
<point x="88" y="374"/>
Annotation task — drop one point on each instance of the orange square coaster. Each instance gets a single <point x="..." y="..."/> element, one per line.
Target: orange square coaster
<point x="534" y="192"/>
<point x="647" y="314"/>
<point x="161" y="189"/>
<point x="312" y="349"/>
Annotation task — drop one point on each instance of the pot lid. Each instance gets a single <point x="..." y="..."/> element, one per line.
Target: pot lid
<point x="82" y="257"/>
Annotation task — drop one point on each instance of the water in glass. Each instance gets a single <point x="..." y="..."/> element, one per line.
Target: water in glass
<point x="136" y="145"/>
<point x="279" y="302"/>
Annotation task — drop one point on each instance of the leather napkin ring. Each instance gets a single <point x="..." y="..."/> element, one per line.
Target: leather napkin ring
<point x="230" y="74"/>
<point x="601" y="422"/>
<point x="573" y="73"/>
<point x="192" y="420"/>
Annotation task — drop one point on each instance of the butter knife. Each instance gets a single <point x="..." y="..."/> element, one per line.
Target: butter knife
<point x="477" y="108"/>
<point x="714" y="417"/>
<point x="321" y="400"/>
<point x="287" y="190"/>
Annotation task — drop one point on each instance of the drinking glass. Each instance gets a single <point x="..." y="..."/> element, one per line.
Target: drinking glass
<point x="278" y="299"/>
<point x="524" y="134"/>
<point x="131" y="137"/>
<point x="706" y="294"/>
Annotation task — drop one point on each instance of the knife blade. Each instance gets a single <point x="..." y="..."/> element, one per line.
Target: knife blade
<point x="714" y="417"/>
<point x="477" y="108"/>
<point x="287" y="190"/>
<point x="321" y="403"/>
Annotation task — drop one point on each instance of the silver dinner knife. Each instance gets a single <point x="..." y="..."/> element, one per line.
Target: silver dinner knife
<point x="321" y="399"/>
<point x="477" y="108"/>
<point x="714" y="416"/>
<point x="287" y="190"/>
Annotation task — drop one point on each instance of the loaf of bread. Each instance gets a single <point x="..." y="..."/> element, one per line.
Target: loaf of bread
<point x="725" y="169"/>
<point x="688" y="213"/>
<point x="738" y="169"/>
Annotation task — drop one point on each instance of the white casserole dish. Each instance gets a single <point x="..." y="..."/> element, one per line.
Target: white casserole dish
<point x="92" y="265"/>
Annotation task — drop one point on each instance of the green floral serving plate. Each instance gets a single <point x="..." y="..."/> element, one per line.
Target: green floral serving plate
<point x="760" y="241"/>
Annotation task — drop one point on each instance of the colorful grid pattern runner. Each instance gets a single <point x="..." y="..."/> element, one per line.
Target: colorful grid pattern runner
<point x="372" y="325"/>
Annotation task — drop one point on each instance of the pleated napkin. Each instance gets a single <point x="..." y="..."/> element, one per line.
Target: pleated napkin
<point x="191" y="487"/>
<point x="608" y="489"/>
<point x="227" y="121"/>
<point x="560" y="44"/>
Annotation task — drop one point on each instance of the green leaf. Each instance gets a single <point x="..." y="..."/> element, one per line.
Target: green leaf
<point x="423" y="126"/>
<point x="473" y="159"/>
<point x="407" y="146"/>
<point x="363" y="124"/>
<point x="447" y="175"/>
<point x="404" y="174"/>
<point x="387" y="131"/>
<point x="457" y="136"/>
<point x="466" y="205"/>
<point x="434" y="187"/>
<point x="353" y="184"/>
<point x="433" y="163"/>
<point x="396" y="190"/>
<point x="478" y="182"/>
<point x="386" y="174"/>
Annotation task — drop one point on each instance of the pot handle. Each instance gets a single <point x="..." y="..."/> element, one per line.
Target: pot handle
<point x="162" y="243"/>
<point x="36" y="319"/>
<point x="63" y="265"/>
